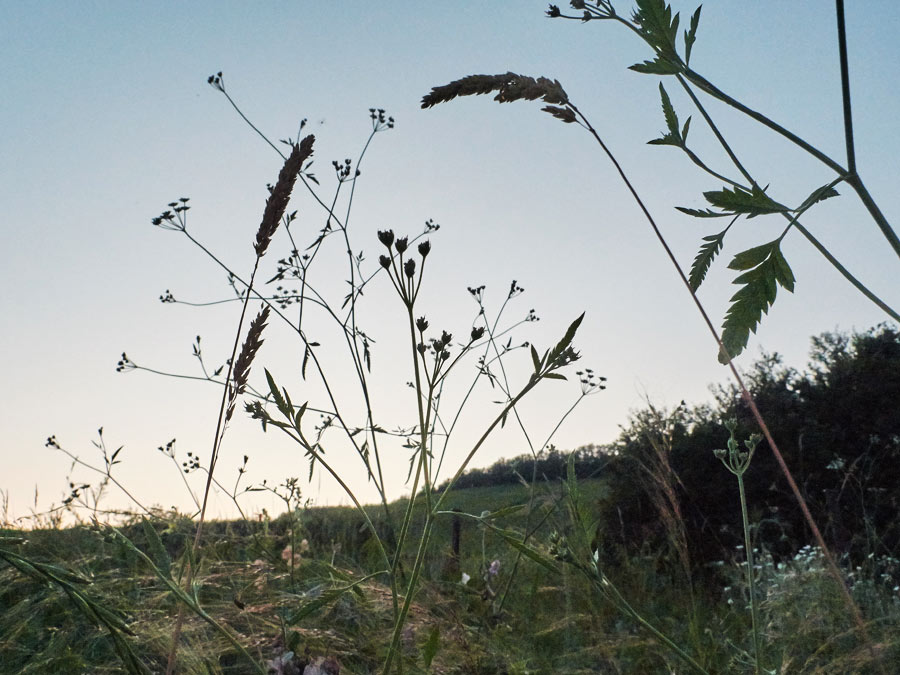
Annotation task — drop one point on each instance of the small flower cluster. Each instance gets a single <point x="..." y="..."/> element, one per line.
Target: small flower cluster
<point x="174" y="217"/>
<point x="192" y="463"/>
<point x="735" y="460"/>
<point x="75" y="493"/>
<point x="167" y="297"/>
<point x="515" y="289"/>
<point x="590" y="382"/>
<point x="168" y="449"/>
<point x="343" y="170"/>
<point x="380" y="121"/>
<point x="217" y="82"/>
<point x="394" y="261"/>
<point x="125" y="364"/>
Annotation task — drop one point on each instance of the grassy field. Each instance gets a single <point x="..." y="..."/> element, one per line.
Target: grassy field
<point x="290" y="612"/>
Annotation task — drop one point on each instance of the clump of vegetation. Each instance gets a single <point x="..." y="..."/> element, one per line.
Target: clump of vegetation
<point x="556" y="571"/>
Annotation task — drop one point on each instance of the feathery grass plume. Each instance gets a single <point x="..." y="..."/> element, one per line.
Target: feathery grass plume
<point x="245" y="358"/>
<point x="277" y="202"/>
<point x="509" y="87"/>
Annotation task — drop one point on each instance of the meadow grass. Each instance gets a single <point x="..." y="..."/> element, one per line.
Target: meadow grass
<point x="375" y="588"/>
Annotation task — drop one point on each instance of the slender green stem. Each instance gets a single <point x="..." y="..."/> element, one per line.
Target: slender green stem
<point x="751" y="578"/>
<point x="429" y="518"/>
<point x="850" y="176"/>
<point x="856" y="283"/>
<point x="607" y="587"/>
<point x="745" y="393"/>
<point x="845" y="86"/>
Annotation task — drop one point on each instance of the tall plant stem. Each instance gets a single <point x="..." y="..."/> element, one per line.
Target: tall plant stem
<point x="856" y="283"/>
<point x="848" y="175"/>
<point x="751" y="581"/>
<point x="745" y="393"/>
<point x="845" y="86"/>
<point x="429" y="519"/>
<point x="217" y="439"/>
<point x="610" y="589"/>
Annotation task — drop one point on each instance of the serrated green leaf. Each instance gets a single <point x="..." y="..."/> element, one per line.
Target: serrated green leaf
<point x="783" y="273"/>
<point x="299" y="416"/>
<point x="280" y="403"/>
<point x="656" y="67"/>
<point x="690" y="36"/>
<point x="753" y="202"/>
<point x="668" y="139"/>
<point x="657" y="25"/>
<point x="430" y="648"/>
<point x="705" y="257"/>
<point x="158" y="552"/>
<point x="701" y="213"/>
<point x="535" y="360"/>
<point x="685" y="129"/>
<point x="669" y="112"/>
<point x="759" y="288"/>
<point x="817" y="195"/>
<point x="752" y="257"/>
<point x="569" y="336"/>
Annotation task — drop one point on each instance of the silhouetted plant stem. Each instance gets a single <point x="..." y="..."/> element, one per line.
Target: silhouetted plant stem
<point x="792" y="218"/>
<point x="751" y="578"/>
<point x="217" y="438"/>
<point x="429" y="518"/>
<point x="745" y="393"/>
<point x="845" y="86"/>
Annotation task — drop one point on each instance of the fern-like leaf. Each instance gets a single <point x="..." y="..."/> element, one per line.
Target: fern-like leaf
<point x="705" y="257"/>
<point x="658" y="66"/>
<point x="818" y="195"/>
<point x="673" y="137"/>
<point x="701" y="213"/>
<point x="759" y="287"/>
<point x="753" y="202"/>
<point x="690" y="36"/>
<point x="657" y="26"/>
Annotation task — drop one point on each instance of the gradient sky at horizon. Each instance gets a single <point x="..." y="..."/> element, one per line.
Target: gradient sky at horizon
<point x="108" y="116"/>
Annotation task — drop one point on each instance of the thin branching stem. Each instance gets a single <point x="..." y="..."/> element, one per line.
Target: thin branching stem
<point x="745" y="393"/>
<point x="792" y="218"/>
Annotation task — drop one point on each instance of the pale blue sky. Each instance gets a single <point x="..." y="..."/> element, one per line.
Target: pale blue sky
<point x="107" y="116"/>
